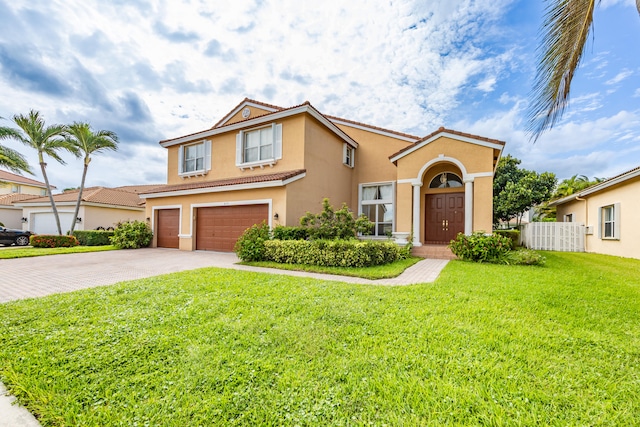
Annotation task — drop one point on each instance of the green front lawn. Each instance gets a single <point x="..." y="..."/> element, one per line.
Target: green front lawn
<point x="22" y="252"/>
<point x="483" y="345"/>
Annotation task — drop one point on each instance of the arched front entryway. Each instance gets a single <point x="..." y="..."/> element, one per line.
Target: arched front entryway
<point x="444" y="203"/>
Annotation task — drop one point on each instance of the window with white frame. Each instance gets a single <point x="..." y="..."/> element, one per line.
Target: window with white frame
<point x="609" y="222"/>
<point x="260" y="146"/>
<point x="194" y="159"/>
<point x="377" y="204"/>
<point x="348" y="155"/>
<point x="568" y="218"/>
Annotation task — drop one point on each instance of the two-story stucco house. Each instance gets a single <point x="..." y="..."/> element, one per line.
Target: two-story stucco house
<point x="266" y="163"/>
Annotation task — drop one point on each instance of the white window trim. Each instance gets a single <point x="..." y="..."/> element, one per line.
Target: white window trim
<point x="207" y="160"/>
<point x="377" y="202"/>
<point x="349" y="161"/>
<point x="570" y="216"/>
<point x="276" y="134"/>
<point x="616" y="222"/>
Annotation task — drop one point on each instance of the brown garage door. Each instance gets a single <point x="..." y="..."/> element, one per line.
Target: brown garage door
<point x="218" y="228"/>
<point x="167" y="228"/>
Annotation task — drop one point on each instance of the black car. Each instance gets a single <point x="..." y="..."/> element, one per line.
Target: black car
<point x="10" y="236"/>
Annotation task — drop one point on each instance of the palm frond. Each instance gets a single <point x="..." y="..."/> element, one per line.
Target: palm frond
<point x="564" y="35"/>
<point x="13" y="160"/>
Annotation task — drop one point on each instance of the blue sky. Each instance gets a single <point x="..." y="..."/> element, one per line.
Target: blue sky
<point x="152" y="70"/>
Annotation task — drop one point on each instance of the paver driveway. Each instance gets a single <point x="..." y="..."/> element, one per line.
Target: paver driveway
<point x="39" y="276"/>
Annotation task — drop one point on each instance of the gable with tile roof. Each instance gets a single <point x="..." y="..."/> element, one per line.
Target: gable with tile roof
<point x="262" y="162"/>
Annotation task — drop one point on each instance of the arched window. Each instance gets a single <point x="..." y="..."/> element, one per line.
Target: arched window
<point x="446" y="180"/>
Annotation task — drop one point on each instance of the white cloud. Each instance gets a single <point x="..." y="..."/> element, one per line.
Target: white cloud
<point x="619" y="77"/>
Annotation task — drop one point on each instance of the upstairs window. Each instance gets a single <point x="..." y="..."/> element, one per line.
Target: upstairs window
<point x="259" y="147"/>
<point x="194" y="159"/>
<point x="15" y="188"/>
<point x="348" y="155"/>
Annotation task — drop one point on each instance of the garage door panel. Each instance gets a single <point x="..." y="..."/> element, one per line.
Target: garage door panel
<point x="45" y="222"/>
<point x="168" y="227"/>
<point x="218" y="228"/>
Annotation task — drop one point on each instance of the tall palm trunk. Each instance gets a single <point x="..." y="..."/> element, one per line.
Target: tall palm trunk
<point x="43" y="168"/>
<point x="75" y="214"/>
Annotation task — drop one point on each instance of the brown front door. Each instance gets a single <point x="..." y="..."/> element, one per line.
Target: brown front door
<point x="444" y="218"/>
<point x="218" y="228"/>
<point x="167" y="228"/>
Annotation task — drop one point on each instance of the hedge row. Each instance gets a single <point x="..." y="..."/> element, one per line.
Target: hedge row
<point x="93" y="237"/>
<point x="52" y="241"/>
<point x="332" y="253"/>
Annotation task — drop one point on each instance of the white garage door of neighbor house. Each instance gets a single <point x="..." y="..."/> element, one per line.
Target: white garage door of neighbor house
<point x="45" y="222"/>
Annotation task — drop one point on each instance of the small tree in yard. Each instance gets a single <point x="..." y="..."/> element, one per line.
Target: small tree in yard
<point x="330" y="224"/>
<point x="132" y="235"/>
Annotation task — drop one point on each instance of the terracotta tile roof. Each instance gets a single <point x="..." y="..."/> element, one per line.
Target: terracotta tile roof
<point x="137" y="188"/>
<point x="8" y="199"/>
<point x="332" y="118"/>
<point x="279" y="176"/>
<point x="455" y="132"/>
<point x="100" y="195"/>
<point x="12" y="177"/>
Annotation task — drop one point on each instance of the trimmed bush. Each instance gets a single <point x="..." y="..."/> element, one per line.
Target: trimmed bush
<point x="524" y="257"/>
<point x="332" y="253"/>
<point x="330" y="224"/>
<point x="282" y="232"/>
<point x="514" y="235"/>
<point x="93" y="237"/>
<point x="132" y="235"/>
<point x="52" y="241"/>
<point x="251" y="245"/>
<point x="480" y="247"/>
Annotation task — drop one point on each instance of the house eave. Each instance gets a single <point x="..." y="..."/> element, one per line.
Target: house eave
<point x="268" y="118"/>
<point x="598" y="187"/>
<point x="421" y="144"/>
<point x="224" y="188"/>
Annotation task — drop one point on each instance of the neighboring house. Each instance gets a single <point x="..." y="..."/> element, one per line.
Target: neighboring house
<point x="610" y="211"/>
<point x="16" y="188"/>
<point x="266" y="163"/>
<point x="100" y="207"/>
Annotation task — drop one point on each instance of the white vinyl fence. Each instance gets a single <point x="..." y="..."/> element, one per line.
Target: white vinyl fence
<point x="553" y="236"/>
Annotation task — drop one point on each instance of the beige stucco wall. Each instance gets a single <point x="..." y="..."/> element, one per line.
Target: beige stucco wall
<point x="276" y="196"/>
<point x="586" y="212"/>
<point x="445" y="154"/>
<point x="24" y="189"/>
<point x="94" y="217"/>
<point x="223" y="154"/>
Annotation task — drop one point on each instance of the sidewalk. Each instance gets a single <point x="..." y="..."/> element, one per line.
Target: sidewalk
<point x="21" y="280"/>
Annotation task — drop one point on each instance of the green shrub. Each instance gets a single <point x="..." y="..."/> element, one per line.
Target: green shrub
<point x="480" y="247"/>
<point x="52" y="241"/>
<point x="330" y="224"/>
<point x="332" y="253"/>
<point x="514" y="235"/>
<point x="282" y="232"/>
<point x="524" y="257"/>
<point x="250" y="246"/>
<point x="132" y="235"/>
<point x="93" y="237"/>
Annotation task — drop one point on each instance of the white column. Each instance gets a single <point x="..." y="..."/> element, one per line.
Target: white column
<point x="468" y="206"/>
<point x="416" y="214"/>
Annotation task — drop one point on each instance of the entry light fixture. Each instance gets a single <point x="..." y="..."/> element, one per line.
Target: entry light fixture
<point x="25" y="220"/>
<point x="276" y="216"/>
<point x="78" y="220"/>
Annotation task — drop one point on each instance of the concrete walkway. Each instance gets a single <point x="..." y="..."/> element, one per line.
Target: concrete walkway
<point x="40" y="276"/>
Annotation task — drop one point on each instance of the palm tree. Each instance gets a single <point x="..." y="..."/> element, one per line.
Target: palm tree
<point x="9" y="158"/>
<point x="46" y="140"/>
<point x="87" y="142"/>
<point x="571" y="185"/>
<point x="566" y="26"/>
